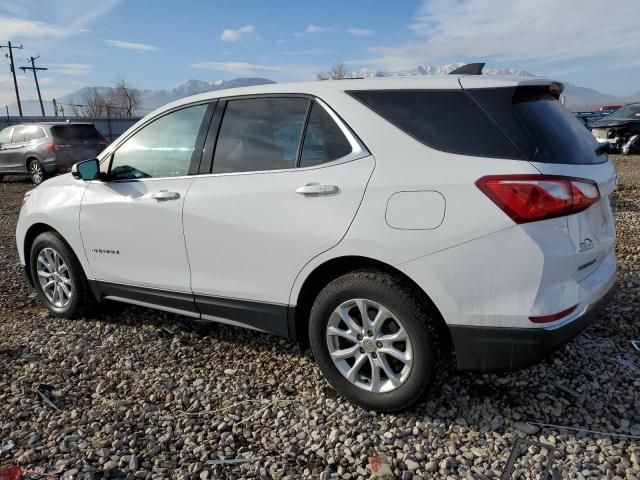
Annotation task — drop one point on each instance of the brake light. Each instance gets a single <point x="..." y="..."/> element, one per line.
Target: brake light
<point x="103" y="142"/>
<point x="553" y="317"/>
<point x="529" y="198"/>
<point x="52" y="147"/>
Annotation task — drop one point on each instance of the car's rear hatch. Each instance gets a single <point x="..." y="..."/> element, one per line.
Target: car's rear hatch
<point x="556" y="143"/>
<point x="77" y="142"/>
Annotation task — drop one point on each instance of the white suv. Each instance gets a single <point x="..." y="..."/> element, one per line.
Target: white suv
<point x="399" y="226"/>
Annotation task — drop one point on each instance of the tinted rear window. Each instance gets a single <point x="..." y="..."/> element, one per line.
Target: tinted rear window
<point x="542" y="128"/>
<point x="70" y="133"/>
<point x="514" y="123"/>
<point x="447" y="120"/>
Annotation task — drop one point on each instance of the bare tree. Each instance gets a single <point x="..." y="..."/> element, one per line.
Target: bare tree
<point x="120" y="101"/>
<point x="125" y="99"/>
<point x="337" y="72"/>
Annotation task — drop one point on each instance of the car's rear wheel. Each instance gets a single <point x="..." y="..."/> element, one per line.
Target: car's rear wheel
<point x="377" y="341"/>
<point x="37" y="172"/>
<point x="58" y="277"/>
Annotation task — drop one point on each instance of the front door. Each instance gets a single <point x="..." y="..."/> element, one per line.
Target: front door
<point x="274" y="201"/>
<point x="12" y="154"/>
<point x="131" y="222"/>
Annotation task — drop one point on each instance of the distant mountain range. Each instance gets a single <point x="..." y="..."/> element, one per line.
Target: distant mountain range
<point x="576" y="98"/>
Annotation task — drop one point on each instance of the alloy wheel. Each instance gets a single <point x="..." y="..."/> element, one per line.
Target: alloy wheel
<point x="54" y="277"/>
<point x="369" y="345"/>
<point x="35" y="170"/>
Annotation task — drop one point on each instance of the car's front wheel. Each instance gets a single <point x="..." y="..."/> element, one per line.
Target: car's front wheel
<point x="376" y="340"/>
<point x="58" y="277"/>
<point x="37" y="172"/>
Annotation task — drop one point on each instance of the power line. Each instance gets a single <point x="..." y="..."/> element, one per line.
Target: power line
<point x="35" y="69"/>
<point x="13" y="71"/>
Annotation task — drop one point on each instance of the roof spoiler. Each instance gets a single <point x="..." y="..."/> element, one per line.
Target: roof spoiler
<point x="468" y="69"/>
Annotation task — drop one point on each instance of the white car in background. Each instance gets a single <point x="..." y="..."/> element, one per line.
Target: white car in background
<point x="400" y="226"/>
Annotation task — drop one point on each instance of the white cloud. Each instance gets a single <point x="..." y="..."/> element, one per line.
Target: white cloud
<point x="138" y="47"/>
<point x="316" y="29"/>
<point x="519" y="30"/>
<point x="239" y="68"/>
<point x="312" y="29"/>
<point x="16" y="27"/>
<point x="231" y="35"/>
<point x="360" y="32"/>
<point x="70" y="68"/>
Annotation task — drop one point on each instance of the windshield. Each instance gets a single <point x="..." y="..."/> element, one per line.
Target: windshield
<point x="630" y="112"/>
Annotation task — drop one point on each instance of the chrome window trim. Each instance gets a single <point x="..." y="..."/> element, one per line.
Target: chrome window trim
<point x="359" y="150"/>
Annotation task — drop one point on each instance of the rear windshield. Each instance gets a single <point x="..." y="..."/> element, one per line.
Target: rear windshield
<point x="511" y="123"/>
<point x="70" y="133"/>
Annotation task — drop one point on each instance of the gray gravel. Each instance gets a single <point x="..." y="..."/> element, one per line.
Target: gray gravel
<point x="138" y="393"/>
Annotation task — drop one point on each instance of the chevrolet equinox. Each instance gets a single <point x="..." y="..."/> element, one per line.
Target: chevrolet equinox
<point x="398" y="226"/>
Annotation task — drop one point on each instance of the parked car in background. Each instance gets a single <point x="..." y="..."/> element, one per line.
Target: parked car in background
<point x="48" y="148"/>
<point x="608" y="109"/>
<point x="400" y="226"/>
<point x="620" y="130"/>
<point x="587" y="117"/>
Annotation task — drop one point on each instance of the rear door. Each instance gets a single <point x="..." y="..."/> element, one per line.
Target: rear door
<point x="77" y="142"/>
<point x="277" y="197"/>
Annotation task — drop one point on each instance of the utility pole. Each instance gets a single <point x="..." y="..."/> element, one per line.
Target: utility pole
<point x="35" y="69"/>
<point x="55" y="107"/>
<point x="13" y="70"/>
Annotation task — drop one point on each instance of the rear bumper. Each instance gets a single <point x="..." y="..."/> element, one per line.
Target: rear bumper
<point x="501" y="348"/>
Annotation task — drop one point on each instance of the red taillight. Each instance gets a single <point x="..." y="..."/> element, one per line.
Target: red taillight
<point x="103" y="142"/>
<point x="553" y="317"/>
<point x="52" y="147"/>
<point x="529" y="198"/>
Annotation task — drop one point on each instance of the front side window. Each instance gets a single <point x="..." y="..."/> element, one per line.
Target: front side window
<point x="162" y="148"/>
<point x="323" y="139"/>
<point x="260" y="134"/>
<point x="5" y="135"/>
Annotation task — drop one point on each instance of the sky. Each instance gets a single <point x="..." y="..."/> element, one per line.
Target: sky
<point x="157" y="44"/>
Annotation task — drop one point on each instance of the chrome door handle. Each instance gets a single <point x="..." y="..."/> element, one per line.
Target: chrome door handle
<point x="165" y="195"/>
<point x="317" y="189"/>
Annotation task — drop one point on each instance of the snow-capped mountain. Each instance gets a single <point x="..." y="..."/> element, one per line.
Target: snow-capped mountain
<point x="150" y="99"/>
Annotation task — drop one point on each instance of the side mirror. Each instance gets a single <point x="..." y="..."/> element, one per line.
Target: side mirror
<point x="86" y="170"/>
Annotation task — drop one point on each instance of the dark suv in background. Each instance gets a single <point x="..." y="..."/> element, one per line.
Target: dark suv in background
<point x="44" y="149"/>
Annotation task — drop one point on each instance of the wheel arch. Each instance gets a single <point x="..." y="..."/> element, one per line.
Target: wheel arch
<point x="31" y="234"/>
<point x="332" y="269"/>
<point x="28" y="158"/>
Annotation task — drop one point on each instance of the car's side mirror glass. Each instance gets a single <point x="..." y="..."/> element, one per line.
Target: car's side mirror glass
<point x="86" y="170"/>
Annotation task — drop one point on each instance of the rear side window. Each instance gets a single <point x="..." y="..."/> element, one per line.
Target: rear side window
<point x="19" y="135"/>
<point x="71" y="133"/>
<point x="260" y="134"/>
<point x="447" y="120"/>
<point x="323" y="139"/>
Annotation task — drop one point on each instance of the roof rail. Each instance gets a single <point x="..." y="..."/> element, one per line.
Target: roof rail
<point x="468" y="69"/>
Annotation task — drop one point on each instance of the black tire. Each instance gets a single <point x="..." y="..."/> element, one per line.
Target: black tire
<point x="37" y="172"/>
<point x="430" y="354"/>
<point x="81" y="299"/>
<point x="1" y="177"/>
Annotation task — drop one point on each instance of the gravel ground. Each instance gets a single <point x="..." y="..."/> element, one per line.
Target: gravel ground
<point x="134" y="392"/>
